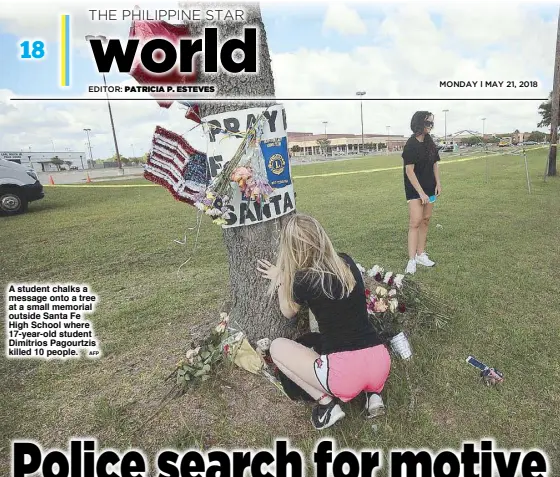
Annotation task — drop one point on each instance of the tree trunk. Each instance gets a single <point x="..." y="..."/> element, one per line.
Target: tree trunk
<point x="252" y="310"/>
<point x="554" y="108"/>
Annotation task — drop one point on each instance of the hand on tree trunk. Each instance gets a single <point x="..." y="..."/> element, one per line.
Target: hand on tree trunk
<point x="268" y="270"/>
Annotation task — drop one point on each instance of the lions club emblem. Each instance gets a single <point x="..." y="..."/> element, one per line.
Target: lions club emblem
<point x="276" y="164"/>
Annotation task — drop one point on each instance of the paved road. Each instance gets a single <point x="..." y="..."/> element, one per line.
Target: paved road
<point x="111" y="174"/>
<point x="96" y="175"/>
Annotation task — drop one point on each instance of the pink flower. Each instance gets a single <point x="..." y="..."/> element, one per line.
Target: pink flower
<point x="241" y="173"/>
<point x="380" y="306"/>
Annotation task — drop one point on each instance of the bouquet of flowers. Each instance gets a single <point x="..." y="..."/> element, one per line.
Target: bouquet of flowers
<point x="199" y="362"/>
<point x="213" y="205"/>
<point x="419" y="307"/>
<point x="252" y="187"/>
<point x="245" y="170"/>
<point x="397" y="305"/>
<point x="247" y="151"/>
<point x="223" y="343"/>
<point x="385" y="310"/>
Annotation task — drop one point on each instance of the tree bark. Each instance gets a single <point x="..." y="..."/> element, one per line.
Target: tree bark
<point x="554" y="108"/>
<point x="252" y="310"/>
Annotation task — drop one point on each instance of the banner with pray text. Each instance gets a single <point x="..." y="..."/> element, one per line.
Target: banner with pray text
<point x="226" y="132"/>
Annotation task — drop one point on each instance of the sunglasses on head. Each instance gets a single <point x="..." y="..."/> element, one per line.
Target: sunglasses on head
<point x="429" y="124"/>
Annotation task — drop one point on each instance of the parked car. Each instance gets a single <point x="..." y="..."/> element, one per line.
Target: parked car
<point x="19" y="185"/>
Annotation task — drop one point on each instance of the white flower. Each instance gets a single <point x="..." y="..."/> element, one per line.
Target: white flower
<point x="393" y="305"/>
<point x="263" y="344"/>
<point x="392" y="292"/>
<point x="387" y="277"/>
<point x="375" y="270"/>
<point x="398" y="280"/>
<point x="192" y="353"/>
<point x="362" y="269"/>
<point x="380" y="291"/>
<point x="223" y="323"/>
<point x="199" y="205"/>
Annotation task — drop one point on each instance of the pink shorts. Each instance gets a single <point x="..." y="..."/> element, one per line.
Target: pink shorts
<point x="348" y="373"/>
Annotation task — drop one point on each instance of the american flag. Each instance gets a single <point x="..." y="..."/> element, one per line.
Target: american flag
<point x="174" y="164"/>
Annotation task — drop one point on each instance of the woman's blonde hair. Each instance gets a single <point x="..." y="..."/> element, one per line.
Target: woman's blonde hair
<point x="305" y="246"/>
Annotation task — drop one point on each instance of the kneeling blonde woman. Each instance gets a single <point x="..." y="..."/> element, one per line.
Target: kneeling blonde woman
<point x="309" y="271"/>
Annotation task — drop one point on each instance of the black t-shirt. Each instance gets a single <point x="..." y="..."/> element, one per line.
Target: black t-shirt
<point x="343" y="323"/>
<point x="416" y="152"/>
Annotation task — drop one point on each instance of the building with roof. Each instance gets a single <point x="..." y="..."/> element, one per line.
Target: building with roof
<point x="42" y="161"/>
<point x="309" y="144"/>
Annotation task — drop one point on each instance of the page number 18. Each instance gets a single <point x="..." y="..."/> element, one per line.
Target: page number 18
<point x="36" y="51"/>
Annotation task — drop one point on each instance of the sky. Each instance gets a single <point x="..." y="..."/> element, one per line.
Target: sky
<point x="318" y="49"/>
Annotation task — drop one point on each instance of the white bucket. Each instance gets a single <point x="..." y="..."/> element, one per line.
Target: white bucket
<point x="401" y="346"/>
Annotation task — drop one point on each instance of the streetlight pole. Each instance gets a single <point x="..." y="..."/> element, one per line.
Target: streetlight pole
<point x="445" y="111"/>
<point x="361" y="93"/>
<point x="104" y="40"/>
<point x="133" y="151"/>
<point x="112" y="125"/>
<point x="387" y="148"/>
<point x="326" y="137"/>
<point x="484" y="146"/>
<point x="87" y="130"/>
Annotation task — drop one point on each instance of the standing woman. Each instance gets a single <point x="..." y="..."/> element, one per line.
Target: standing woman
<point x="421" y="186"/>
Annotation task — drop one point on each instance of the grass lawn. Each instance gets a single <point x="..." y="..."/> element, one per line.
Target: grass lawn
<point x="497" y="252"/>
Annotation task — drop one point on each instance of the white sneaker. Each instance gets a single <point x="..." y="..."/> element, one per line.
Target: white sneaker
<point x="411" y="267"/>
<point x="423" y="259"/>
<point x="374" y="405"/>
